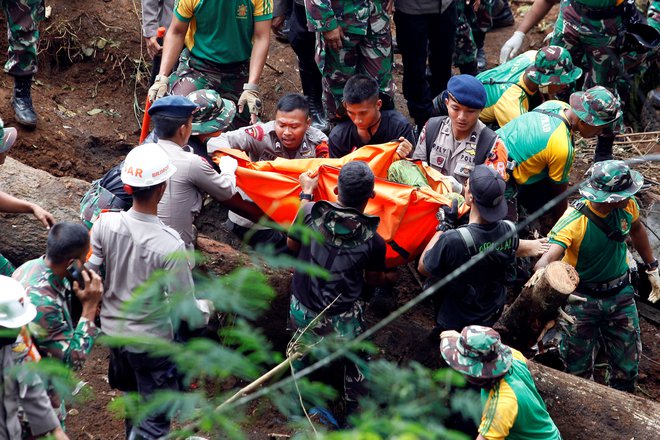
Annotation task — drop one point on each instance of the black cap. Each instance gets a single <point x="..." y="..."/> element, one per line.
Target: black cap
<point x="487" y="188"/>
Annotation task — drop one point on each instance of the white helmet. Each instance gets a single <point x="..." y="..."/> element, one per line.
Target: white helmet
<point x="16" y="310"/>
<point x="146" y="165"/>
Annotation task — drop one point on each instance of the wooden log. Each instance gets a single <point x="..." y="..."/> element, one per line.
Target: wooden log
<point x="547" y="290"/>
<point x="22" y="237"/>
<point x="583" y="409"/>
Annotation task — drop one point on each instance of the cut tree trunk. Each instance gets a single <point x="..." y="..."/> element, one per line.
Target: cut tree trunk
<point x="583" y="409"/>
<point x="547" y="291"/>
<point x="22" y="237"/>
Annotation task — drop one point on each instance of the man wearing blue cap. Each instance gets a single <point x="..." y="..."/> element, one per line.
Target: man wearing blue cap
<point x="455" y="144"/>
<point x="172" y="117"/>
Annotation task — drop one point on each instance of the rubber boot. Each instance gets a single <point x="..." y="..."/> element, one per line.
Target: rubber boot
<point x="22" y="102"/>
<point x="311" y="85"/>
<point x="502" y="14"/>
<point x="603" y="148"/>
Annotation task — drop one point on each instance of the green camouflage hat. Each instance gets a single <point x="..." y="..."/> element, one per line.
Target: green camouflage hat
<point x="341" y="226"/>
<point x="596" y="106"/>
<point x="213" y="113"/>
<point x="478" y="352"/>
<point x="611" y="181"/>
<point x="553" y="65"/>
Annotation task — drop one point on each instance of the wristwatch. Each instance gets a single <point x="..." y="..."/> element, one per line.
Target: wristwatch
<point x="305" y="196"/>
<point x="650" y="266"/>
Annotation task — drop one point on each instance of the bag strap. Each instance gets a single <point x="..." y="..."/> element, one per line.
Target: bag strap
<point x="468" y="240"/>
<point x="554" y="115"/>
<point x="612" y="234"/>
<point x="485" y="143"/>
<point x="432" y="130"/>
<point x="492" y="82"/>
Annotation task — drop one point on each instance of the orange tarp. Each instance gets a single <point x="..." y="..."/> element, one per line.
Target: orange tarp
<point x="407" y="214"/>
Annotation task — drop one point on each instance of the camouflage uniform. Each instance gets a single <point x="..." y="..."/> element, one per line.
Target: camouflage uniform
<point x="470" y="31"/>
<point x="347" y="325"/>
<point x="597" y="41"/>
<point x="6" y="268"/>
<point x="609" y="312"/>
<point x="195" y="74"/>
<point x="23" y="17"/>
<point x="367" y="46"/>
<point x="653" y="14"/>
<point x="53" y="329"/>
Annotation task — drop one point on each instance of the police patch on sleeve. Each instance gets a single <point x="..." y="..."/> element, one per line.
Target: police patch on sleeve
<point x="256" y="132"/>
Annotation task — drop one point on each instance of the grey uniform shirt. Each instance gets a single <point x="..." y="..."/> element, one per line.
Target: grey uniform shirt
<point x="449" y="156"/>
<point x="184" y="193"/>
<point x="260" y="142"/>
<point x="133" y="245"/>
<point x="155" y="13"/>
<point x="31" y="396"/>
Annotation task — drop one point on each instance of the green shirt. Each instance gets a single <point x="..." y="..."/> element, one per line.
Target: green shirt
<point x="221" y="31"/>
<point x="513" y="408"/>
<point x="540" y="144"/>
<point x="507" y="96"/>
<point x="596" y="258"/>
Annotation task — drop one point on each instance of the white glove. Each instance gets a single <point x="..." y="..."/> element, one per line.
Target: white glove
<point x="228" y="165"/>
<point x="511" y="47"/>
<point x="654" y="279"/>
<point x="159" y="88"/>
<point x="455" y="185"/>
<point x="450" y="334"/>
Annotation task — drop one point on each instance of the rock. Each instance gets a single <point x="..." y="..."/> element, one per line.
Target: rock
<point x="22" y="237"/>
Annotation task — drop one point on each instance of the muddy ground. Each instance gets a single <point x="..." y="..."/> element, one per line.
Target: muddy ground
<point x="88" y="94"/>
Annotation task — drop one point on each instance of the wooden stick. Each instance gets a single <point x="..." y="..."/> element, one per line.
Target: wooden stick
<point x="259" y="381"/>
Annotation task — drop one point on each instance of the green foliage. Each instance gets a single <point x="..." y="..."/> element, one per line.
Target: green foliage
<point x="405" y="402"/>
<point x="52" y="373"/>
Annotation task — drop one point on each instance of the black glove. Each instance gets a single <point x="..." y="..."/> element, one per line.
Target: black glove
<point x="447" y="217"/>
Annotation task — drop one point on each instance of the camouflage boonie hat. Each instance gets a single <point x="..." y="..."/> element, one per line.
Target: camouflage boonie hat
<point x="478" y="352"/>
<point x="553" y="65"/>
<point x="341" y="226"/>
<point x="596" y="106"/>
<point x="212" y="114"/>
<point x="611" y="181"/>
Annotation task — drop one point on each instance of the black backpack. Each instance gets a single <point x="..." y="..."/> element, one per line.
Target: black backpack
<point x="485" y="142"/>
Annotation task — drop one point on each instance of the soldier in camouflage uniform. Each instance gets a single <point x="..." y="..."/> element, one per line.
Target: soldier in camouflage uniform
<point x="23" y="17"/>
<point x="471" y="31"/>
<point x="352" y="37"/>
<point x="513" y="408"/>
<point x="352" y="252"/>
<point x="591" y="237"/>
<point x="49" y="284"/>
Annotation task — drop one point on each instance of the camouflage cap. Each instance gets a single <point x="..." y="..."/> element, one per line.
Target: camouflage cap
<point x="478" y="352"/>
<point x="8" y="136"/>
<point x="596" y="106"/>
<point x="341" y="226"/>
<point x="212" y="114"/>
<point x="611" y="181"/>
<point x="553" y="65"/>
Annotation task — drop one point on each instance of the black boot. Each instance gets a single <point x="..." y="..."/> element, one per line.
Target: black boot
<point x="469" y="69"/>
<point x="311" y="85"/>
<point x="604" y="148"/>
<point x="22" y="102"/>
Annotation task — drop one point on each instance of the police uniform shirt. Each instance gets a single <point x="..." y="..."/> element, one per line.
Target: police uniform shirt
<point x="184" y="193"/>
<point x="15" y="390"/>
<point x="133" y="245"/>
<point x="260" y="142"/>
<point x="450" y="156"/>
